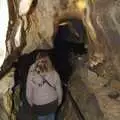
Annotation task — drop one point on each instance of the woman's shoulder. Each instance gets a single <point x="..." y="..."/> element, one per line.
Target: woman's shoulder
<point x="55" y="74"/>
<point x="51" y="73"/>
<point x="32" y="67"/>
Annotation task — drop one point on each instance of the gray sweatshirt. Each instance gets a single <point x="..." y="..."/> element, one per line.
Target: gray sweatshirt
<point x="39" y="92"/>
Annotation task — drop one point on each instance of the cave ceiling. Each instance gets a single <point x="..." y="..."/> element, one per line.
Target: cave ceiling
<point x="31" y="24"/>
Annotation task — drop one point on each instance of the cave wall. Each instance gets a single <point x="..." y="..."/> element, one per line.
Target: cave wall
<point x="91" y="98"/>
<point x="100" y="18"/>
<point x="105" y="20"/>
<point x="43" y="21"/>
<point x="9" y="98"/>
<point x="32" y="25"/>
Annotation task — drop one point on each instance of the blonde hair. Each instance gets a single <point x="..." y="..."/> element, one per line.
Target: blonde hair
<point x="43" y="64"/>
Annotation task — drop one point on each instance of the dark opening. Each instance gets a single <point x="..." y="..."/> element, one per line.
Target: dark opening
<point x="69" y="41"/>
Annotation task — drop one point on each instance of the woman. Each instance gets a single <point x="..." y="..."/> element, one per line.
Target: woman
<point x="44" y="91"/>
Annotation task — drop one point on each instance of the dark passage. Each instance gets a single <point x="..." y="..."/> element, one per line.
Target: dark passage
<point x="68" y="43"/>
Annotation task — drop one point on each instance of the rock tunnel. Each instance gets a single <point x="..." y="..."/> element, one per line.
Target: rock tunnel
<point x="31" y="26"/>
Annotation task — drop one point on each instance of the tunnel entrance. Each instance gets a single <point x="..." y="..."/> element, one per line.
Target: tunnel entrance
<point x="69" y="43"/>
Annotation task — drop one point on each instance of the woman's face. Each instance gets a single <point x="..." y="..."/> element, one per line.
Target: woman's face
<point x="41" y="65"/>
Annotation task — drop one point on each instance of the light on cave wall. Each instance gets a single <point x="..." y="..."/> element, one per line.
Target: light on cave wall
<point x="81" y="4"/>
<point x="4" y="19"/>
<point x="24" y="6"/>
<point x="84" y="8"/>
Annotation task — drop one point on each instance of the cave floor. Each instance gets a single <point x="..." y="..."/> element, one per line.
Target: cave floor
<point x="108" y="97"/>
<point x="96" y="100"/>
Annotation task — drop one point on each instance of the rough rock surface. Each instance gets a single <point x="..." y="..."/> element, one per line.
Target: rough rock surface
<point x="42" y="22"/>
<point x="110" y="106"/>
<point x="105" y="20"/>
<point x="95" y="100"/>
<point x="9" y="102"/>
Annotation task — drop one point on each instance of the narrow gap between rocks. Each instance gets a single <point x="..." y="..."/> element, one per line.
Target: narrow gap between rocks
<point x="70" y="43"/>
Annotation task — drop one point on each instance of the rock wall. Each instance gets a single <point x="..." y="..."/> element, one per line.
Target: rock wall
<point x="9" y="99"/>
<point x="105" y="20"/>
<point x="93" y="98"/>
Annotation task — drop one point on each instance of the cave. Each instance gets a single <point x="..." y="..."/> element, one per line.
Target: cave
<point x="91" y="75"/>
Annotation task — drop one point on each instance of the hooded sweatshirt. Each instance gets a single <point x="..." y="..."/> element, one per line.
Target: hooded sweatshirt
<point x="39" y="92"/>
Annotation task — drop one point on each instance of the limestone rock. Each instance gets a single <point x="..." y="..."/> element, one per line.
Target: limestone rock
<point x="24" y="6"/>
<point x="92" y="96"/>
<point x="6" y="103"/>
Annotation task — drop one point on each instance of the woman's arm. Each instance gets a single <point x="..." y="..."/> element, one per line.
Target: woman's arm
<point x="29" y="87"/>
<point x="29" y="92"/>
<point x="59" y="88"/>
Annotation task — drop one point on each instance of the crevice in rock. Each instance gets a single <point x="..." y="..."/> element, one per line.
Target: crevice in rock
<point x="66" y="47"/>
